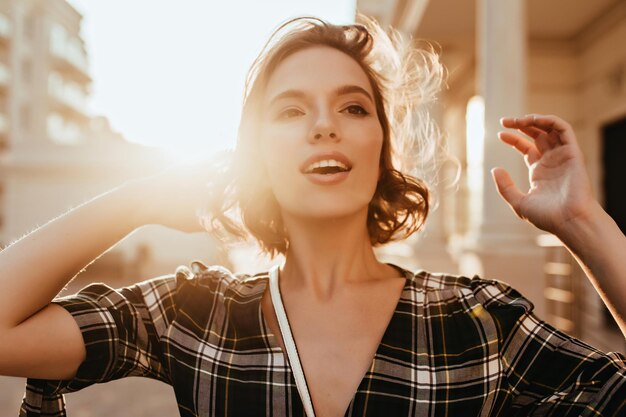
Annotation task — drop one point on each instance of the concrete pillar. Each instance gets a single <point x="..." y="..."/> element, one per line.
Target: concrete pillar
<point x="498" y="244"/>
<point x="409" y="14"/>
<point x="501" y="81"/>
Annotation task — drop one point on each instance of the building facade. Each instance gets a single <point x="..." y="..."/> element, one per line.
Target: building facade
<point x="55" y="155"/>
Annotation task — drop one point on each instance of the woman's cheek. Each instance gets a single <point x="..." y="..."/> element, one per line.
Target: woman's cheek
<point x="280" y="160"/>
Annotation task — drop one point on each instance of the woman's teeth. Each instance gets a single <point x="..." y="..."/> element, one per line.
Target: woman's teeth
<point x="323" y="167"/>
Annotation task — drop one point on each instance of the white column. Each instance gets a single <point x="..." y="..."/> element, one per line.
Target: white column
<point x="410" y="15"/>
<point x="501" y="81"/>
<point x="498" y="244"/>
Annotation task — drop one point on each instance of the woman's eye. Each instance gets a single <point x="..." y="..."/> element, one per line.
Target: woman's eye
<point x="289" y="113"/>
<point x="356" y="110"/>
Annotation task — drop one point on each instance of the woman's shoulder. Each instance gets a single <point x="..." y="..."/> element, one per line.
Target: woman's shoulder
<point x="491" y="293"/>
<point x="197" y="278"/>
<point x="197" y="273"/>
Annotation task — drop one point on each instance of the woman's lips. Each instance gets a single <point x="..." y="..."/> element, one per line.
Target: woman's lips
<point x="338" y="156"/>
<point x="327" y="179"/>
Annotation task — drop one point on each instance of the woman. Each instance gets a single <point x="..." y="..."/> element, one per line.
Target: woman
<point x="314" y="179"/>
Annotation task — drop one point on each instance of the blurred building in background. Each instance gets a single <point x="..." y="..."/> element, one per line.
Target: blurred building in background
<point x="510" y="58"/>
<point x="46" y="64"/>
<point x="55" y="155"/>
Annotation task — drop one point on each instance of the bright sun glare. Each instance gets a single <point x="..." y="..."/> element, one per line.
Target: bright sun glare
<point x="171" y="74"/>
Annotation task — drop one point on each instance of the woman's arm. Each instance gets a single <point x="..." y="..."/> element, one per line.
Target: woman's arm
<point x="599" y="246"/>
<point x="34" y="269"/>
<point x="40" y="339"/>
<point x="560" y="201"/>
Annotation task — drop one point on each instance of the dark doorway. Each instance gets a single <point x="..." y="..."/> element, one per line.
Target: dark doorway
<point x="614" y="163"/>
<point x="614" y="182"/>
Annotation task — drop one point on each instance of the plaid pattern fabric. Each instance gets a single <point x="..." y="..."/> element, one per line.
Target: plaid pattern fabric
<point x="455" y="346"/>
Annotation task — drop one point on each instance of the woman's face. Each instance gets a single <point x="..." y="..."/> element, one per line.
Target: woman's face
<point x="319" y="110"/>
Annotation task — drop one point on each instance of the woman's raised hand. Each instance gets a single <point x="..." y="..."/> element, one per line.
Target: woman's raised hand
<point x="560" y="201"/>
<point x="175" y="197"/>
<point x="560" y="191"/>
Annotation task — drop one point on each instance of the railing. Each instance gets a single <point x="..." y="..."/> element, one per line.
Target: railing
<point x="562" y="289"/>
<point x="572" y="303"/>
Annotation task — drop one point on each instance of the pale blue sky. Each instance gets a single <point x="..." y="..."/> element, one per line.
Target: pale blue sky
<point x="170" y="73"/>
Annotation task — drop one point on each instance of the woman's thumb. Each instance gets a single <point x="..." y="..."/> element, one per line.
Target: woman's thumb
<point x="507" y="188"/>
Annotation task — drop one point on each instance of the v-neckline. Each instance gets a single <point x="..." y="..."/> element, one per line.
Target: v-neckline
<point x="274" y="345"/>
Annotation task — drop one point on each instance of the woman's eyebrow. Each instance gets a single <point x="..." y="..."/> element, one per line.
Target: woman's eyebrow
<point x="350" y="89"/>
<point x="287" y="94"/>
<point x="340" y="91"/>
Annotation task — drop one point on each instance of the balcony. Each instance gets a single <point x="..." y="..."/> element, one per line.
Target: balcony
<point x="62" y="131"/>
<point x="67" y="97"/>
<point x="5" y="77"/>
<point x="5" y="31"/>
<point x="4" y="124"/>
<point x="5" y="27"/>
<point x="2" y="209"/>
<point x="68" y="54"/>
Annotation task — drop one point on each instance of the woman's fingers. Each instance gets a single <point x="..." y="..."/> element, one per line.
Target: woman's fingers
<point x="544" y="140"/>
<point x="507" y="189"/>
<point x="524" y="146"/>
<point x="549" y="123"/>
<point x="557" y="130"/>
<point x="532" y="131"/>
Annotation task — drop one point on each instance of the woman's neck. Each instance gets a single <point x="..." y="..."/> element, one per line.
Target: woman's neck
<point x="326" y="256"/>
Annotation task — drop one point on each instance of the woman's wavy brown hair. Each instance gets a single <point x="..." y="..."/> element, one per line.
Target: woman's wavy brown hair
<point x="404" y="80"/>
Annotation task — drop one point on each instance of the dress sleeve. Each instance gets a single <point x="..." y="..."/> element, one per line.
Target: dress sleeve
<point x="122" y="330"/>
<point x="551" y="373"/>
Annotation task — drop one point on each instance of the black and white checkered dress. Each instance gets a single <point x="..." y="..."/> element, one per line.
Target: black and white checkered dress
<point x="455" y="346"/>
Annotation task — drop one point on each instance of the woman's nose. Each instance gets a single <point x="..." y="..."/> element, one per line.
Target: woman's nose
<point x="331" y="135"/>
<point x="324" y="127"/>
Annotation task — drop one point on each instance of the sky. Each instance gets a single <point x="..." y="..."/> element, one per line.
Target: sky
<point x="171" y="73"/>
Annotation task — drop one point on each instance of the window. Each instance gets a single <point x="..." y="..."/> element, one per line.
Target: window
<point x="29" y="28"/>
<point x="25" y="117"/>
<point x="27" y="70"/>
<point x="1" y="207"/>
<point x="5" y="26"/>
